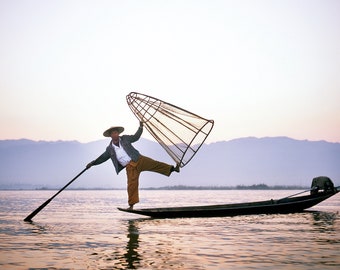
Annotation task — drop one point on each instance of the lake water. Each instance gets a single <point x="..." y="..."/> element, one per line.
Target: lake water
<point x="84" y="230"/>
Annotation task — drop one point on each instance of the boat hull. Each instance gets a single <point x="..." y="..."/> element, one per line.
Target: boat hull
<point x="281" y="206"/>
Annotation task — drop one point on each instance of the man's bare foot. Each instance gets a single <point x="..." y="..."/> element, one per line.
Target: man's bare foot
<point x="176" y="169"/>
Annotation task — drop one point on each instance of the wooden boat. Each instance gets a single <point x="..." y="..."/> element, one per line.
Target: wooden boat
<point x="285" y="205"/>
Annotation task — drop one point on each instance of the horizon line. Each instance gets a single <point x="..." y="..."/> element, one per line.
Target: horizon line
<point x="246" y="137"/>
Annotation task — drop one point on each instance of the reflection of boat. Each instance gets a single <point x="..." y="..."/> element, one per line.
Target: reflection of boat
<point x="285" y="205"/>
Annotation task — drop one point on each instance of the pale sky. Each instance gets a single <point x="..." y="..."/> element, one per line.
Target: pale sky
<point x="258" y="68"/>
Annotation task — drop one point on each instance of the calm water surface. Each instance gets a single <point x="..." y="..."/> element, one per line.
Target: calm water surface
<point x="84" y="230"/>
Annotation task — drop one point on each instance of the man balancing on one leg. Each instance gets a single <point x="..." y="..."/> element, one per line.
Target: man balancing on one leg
<point x="124" y="155"/>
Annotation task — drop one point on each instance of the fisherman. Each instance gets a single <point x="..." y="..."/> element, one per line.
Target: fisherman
<point x="124" y="155"/>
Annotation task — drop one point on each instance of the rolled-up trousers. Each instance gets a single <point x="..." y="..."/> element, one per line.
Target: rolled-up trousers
<point x="133" y="170"/>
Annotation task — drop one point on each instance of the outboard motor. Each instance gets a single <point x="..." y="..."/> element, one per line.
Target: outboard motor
<point x="322" y="183"/>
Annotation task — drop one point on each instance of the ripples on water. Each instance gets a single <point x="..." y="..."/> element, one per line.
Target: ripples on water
<point x="83" y="230"/>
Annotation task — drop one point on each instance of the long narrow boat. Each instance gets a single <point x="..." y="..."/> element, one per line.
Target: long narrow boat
<point x="281" y="206"/>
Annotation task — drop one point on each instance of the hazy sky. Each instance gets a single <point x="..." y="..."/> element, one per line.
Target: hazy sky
<point x="258" y="68"/>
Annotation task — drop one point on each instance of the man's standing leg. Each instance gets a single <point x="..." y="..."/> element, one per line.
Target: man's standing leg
<point x="132" y="184"/>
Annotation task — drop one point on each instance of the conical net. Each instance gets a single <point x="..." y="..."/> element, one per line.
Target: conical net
<point x="180" y="132"/>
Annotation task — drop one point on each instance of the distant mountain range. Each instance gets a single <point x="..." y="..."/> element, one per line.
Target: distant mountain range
<point x="26" y="164"/>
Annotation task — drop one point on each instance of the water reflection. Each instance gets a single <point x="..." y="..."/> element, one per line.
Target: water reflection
<point x="36" y="228"/>
<point x="132" y="256"/>
<point x="324" y="221"/>
<point x="152" y="244"/>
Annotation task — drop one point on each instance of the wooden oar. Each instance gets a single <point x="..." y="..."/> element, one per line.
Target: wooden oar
<point x="36" y="211"/>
